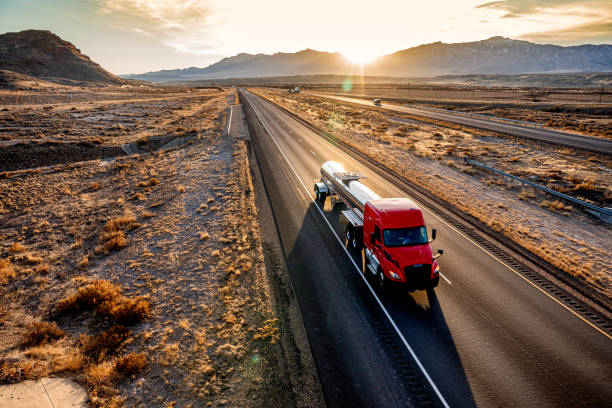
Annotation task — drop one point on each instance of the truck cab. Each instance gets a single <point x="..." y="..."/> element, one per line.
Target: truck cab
<point x="397" y="248"/>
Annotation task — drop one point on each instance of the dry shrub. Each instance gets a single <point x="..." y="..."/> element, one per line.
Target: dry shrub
<point x="114" y="241"/>
<point x="128" y="310"/>
<point x="124" y="223"/>
<point x="7" y="272"/>
<point x="84" y="263"/>
<point x="153" y="181"/>
<point x="204" y="235"/>
<point x="131" y="364"/>
<point x="94" y="186"/>
<point x="30" y="258"/>
<point x="557" y="206"/>
<point x="100" y="374"/>
<point x="147" y="214"/>
<point x="113" y="237"/>
<point x="17" y="248"/>
<point x="180" y="188"/>
<point x="105" y="298"/>
<point x="42" y="333"/>
<point x="71" y="362"/>
<point x="42" y="269"/>
<point x="107" y="342"/>
<point x="90" y="297"/>
<point x="588" y="186"/>
<point x="12" y="373"/>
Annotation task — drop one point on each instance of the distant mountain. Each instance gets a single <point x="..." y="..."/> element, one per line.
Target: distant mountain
<point x="42" y="54"/>
<point x="497" y="55"/>
<point x="306" y="62"/>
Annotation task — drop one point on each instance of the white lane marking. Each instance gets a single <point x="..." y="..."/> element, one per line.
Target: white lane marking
<point x="507" y="266"/>
<point x="412" y="353"/>
<point x="313" y="153"/>
<point x="446" y="279"/>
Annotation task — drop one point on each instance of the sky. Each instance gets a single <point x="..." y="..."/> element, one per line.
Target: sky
<point x="135" y="36"/>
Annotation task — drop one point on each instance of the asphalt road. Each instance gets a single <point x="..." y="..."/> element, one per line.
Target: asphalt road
<point x="593" y="144"/>
<point x="485" y="337"/>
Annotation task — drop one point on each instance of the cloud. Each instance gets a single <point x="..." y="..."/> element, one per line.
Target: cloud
<point x="180" y="24"/>
<point x="598" y="32"/>
<point x="559" y="21"/>
<point x="521" y="8"/>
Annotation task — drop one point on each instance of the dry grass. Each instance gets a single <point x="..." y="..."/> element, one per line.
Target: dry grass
<point x="42" y="333"/>
<point x="107" y="342"/>
<point x="557" y="206"/>
<point x="7" y="272"/>
<point x="131" y="364"/>
<point x="11" y="373"/>
<point x="113" y="236"/>
<point x="105" y="298"/>
<point x="17" y="248"/>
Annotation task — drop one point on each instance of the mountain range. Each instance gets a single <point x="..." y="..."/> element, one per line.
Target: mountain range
<point x="496" y="55"/>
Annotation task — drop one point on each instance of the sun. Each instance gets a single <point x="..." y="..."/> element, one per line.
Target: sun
<point x="360" y="56"/>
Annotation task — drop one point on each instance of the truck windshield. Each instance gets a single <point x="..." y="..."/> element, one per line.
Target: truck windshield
<point x="405" y="236"/>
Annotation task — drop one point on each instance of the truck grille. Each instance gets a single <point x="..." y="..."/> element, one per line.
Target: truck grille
<point x="418" y="276"/>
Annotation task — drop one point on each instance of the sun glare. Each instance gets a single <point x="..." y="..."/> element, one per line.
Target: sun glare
<point x="361" y="56"/>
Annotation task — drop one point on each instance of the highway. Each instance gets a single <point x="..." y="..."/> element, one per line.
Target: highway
<point x="593" y="144"/>
<point x="485" y="337"/>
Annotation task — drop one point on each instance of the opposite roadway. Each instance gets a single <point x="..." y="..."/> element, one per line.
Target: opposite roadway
<point x="485" y="336"/>
<point x="594" y="144"/>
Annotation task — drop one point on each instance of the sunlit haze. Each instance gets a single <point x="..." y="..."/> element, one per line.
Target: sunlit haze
<point x="132" y="36"/>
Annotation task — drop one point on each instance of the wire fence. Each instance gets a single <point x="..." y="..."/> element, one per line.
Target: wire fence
<point x="605" y="213"/>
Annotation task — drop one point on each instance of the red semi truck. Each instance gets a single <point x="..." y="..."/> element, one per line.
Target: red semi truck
<point x="391" y="231"/>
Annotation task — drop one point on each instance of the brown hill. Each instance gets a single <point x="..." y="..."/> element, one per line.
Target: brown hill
<point x="43" y="54"/>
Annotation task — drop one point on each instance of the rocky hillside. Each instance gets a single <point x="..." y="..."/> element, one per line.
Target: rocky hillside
<point x="496" y="55"/>
<point x="43" y="54"/>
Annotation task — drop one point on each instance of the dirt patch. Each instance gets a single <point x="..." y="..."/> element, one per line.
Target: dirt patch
<point x="143" y="277"/>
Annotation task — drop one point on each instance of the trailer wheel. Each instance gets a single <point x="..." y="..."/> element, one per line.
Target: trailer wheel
<point x="320" y="196"/>
<point x="349" y="231"/>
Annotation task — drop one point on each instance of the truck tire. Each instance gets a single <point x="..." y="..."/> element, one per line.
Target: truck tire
<point x="352" y="238"/>
<point x="434" y="282"/>
<point x="381" y="281"/>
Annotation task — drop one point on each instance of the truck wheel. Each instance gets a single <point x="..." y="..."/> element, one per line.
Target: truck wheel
<point x="381" y="281"/>
<point x="435" y="282"/>
<point x="352" y="238"/>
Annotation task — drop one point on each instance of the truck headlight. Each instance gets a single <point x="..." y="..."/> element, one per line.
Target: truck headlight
<point x="394" y="275"/>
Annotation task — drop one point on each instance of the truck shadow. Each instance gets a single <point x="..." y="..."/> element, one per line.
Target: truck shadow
<point x="420" y="318"/>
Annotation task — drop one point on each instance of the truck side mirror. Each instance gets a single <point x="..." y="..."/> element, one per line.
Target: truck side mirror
<point x="440" y="253"/>
<point x="373" y="238"/>
<point x="433" y="234"/>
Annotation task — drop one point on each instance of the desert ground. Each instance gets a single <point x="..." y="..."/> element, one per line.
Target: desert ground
<point x="130" y="250"/>
<point x="584" y="111"/>
<point x="431" y="154"/>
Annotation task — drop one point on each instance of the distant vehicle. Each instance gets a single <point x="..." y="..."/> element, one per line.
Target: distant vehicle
<point x="290" y="90"/>
<point x="391" y="231"/>
<point x="377" y="102"/>
<point x="296" y="89"/>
